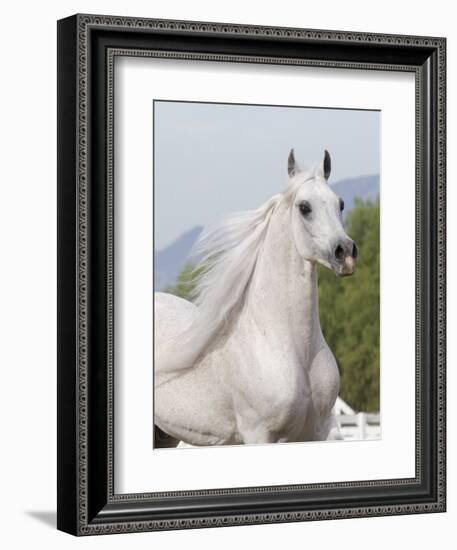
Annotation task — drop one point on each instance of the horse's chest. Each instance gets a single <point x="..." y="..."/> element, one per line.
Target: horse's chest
<point x="276" y="404"/>
<point x="289" y="402"/>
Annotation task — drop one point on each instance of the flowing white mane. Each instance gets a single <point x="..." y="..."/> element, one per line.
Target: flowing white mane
<point x="229" y="253"/>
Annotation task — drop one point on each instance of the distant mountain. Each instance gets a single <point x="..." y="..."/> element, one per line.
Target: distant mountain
<point x="364" y="187"/>
<point x="169" y="261"/>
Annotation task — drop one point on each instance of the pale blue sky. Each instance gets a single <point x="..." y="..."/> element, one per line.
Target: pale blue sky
<point x="212" y="159"/>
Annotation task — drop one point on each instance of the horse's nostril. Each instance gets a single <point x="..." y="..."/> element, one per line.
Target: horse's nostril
<point x="354" y="251"/>
<point x="339" y="253"/>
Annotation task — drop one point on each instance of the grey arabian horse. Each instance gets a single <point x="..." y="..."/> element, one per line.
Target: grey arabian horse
<point x="247" y="362"/>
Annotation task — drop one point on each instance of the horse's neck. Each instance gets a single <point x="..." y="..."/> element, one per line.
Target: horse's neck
<point x="283" y="296"/>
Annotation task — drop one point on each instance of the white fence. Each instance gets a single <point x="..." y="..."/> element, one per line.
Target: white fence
<point x="356" y="426"/>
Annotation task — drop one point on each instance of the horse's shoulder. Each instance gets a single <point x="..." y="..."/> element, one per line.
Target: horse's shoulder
<point x="324" y="377"/>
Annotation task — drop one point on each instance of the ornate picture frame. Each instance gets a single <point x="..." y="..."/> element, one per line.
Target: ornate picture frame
<point x="87" y="47"/>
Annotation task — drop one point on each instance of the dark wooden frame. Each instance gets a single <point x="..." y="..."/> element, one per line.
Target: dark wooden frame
<point x="87" y="45"/>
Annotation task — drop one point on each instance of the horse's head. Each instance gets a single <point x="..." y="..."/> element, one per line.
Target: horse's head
<point x="317" y="224"/>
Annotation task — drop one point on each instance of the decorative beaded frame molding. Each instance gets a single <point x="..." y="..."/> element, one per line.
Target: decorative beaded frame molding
<point x="87" y="504"/>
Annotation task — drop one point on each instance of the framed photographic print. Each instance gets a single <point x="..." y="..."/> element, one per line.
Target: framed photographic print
<point x="251" y="271"/>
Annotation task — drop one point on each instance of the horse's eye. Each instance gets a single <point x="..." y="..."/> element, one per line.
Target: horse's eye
<point x="341" y="205"/>
<point x="305" y="208"/>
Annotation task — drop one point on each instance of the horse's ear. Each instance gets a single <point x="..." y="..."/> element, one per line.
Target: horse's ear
<point x="327" y="165"/>
<point x="292" y="167"/>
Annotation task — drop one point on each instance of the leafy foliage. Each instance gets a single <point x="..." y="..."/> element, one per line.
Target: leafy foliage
<point x="349" y="310"/>
<point x="186" y="282"/>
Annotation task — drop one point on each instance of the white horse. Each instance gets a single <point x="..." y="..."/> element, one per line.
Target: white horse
<point x="247" y="361"/>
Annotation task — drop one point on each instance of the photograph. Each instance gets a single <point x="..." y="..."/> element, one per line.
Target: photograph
<point x="266" y="241"/>
<point x="251" y="271"/>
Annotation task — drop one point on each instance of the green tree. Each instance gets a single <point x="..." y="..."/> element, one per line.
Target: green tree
<point x="349" y="312"/>
<point x="186" y="282"/>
